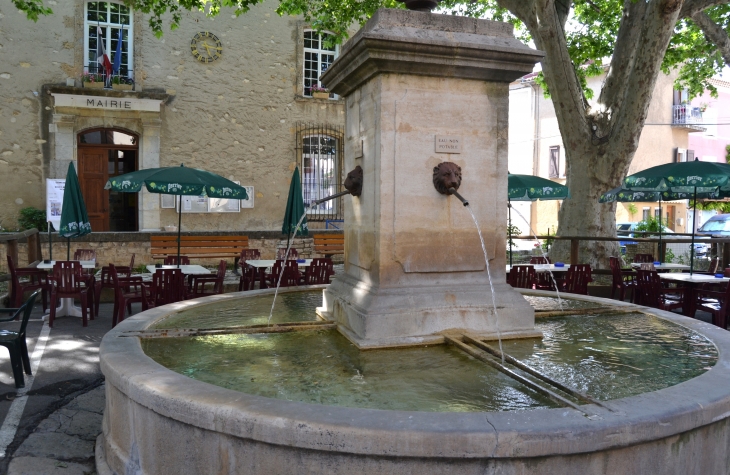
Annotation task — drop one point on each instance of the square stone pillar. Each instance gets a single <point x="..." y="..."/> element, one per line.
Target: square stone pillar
<point x="414" y="265"/>
<point x="149" y="152"/>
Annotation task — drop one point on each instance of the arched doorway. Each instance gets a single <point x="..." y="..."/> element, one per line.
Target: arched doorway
<point x="102" y="154"/>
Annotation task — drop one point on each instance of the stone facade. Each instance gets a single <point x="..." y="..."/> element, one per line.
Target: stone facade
<point x="235" y="116"/>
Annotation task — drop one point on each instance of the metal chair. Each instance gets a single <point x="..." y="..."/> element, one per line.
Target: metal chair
<point x="38" y="280"/>
<point x="540" y="260"/>
<point x="293" y="253"/>
<point x="577" y="279"/>
<point x="168" y="286"/>
<point x="105" y="281"/>
<point x="622" y="279"/>
<point x="197" y="287"/>
<point x="69" y="281"/>
<point x="172" y="261"/>
<point x="522" y="276"/>
<point x="246" y="281"/>
<point x="318" y="272"/>
<point x="639" y="258"/>
<point x="290" y="277"/>
<point x="127" y="290"/>
<point x="715" y="302"/>
<point x="14" y="341"/>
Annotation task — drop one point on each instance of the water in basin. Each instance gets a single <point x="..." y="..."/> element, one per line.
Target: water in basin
<point x="608" y="356"/>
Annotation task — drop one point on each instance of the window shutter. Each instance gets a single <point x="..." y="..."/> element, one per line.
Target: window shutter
<point x="690" y="155"/>
<point x="675" y="157"/>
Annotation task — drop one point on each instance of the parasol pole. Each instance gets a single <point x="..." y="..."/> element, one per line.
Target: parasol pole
<point x="509" y="229"/>
<point x="661" y="254"/>
<point x="50" y="244"/>
<point x="68" y="248"/>
<point x="179" y="229"/>
<point x="694" y="225"/>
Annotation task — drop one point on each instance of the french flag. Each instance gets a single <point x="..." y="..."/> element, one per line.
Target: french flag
<point x="101" y="57"/>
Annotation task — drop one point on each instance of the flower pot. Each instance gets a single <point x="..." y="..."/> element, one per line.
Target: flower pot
<point x="321" y="95"/>
<point x="122" y="87"/>
<point x="171" y="229"/>
<point x="94" y="85"/>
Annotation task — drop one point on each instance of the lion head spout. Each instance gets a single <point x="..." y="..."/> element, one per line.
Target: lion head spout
<point x="353" y="182"/>
<point x="446" y="175"/>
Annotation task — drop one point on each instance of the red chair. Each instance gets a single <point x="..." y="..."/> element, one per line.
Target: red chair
<point x="127" y="290"/>
<point x="653" y="294"/>
<point x="317" y="272"/>
<point x="522" y="276"/>
<point x="290" y="277"/>
<point x="37" y="280"/>
<point x="540" y="260"/>
<point x="172" y="261"/>
<point x="168" y="286"/>
<point x="622" y="279"/>
<point x="714" y="302"/>
<point x="577" y="279"/>
<point x="643" y="258"/>
<point x="248" y="278"/>
<point x="84" y="255"/>
<point x="197" y="288"/>
<point x="293" y="254"/>
<point x="105" y="281"/>
<point x="70" y="282"/>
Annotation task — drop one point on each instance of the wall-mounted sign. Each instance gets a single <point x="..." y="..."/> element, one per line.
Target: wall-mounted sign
<point x="107" y="103"/>
<point x="54" y="201"/>
<point x="448" y="144"/>
<point x="249" y="202"/>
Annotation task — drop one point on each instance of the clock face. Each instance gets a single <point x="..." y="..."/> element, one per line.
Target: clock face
<point x="206" y="47"/>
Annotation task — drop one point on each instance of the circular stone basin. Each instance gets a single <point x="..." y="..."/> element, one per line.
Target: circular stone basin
<point x="310" y="402"/>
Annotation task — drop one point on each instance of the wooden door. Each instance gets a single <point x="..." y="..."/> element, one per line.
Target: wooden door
<point x="93" y="175"/>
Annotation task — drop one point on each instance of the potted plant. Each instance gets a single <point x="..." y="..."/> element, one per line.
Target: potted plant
<point x="93" y="80"/>
<point x="121" y="83"/>
<point x="319" y="92"/>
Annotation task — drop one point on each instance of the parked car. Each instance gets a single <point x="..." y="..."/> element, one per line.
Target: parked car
<point x="718" y="225"/>
<point x="627" y="230"/>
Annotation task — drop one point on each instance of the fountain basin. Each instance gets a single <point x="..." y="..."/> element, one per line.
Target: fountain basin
<point x="157" y="421"/>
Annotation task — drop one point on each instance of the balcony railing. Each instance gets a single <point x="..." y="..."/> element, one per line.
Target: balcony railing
<point x="686" y="114"/>
<point x="95" y="77"/>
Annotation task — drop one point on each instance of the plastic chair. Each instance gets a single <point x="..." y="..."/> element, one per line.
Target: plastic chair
<point x="197" y="287"/>
<point x="105" y="281"/>
<point x="84" y="255"/>
<point x="14" y="341"/>
<point x="290" y="277"/>
<point x="248" y="278"/>
<point x="540" y="260"/>
<point x="293" y="254"/>
<point x="168" y="286"/>
<point x="318" y="272"/>
<point x="622" y="279"/>
<point x="38" y="280"/>
<point x="522" y="276"/>
<point x="127" y="290"/>
<point x="653" y="294"/>
<point x="172" y="260"/>
<point x="70" y="282"/>
<point x="577" y="279"/>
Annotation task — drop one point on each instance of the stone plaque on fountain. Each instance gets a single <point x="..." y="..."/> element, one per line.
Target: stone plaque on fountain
<point x="414" y="265"/>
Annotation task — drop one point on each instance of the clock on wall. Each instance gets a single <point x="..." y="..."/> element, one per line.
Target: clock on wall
<point x="206" y="47"/>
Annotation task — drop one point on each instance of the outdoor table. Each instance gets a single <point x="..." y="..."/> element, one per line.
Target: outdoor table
<point x="186" y="269"/>
<point x="692" y="281"/>
<point x="663" y="267"/>
<point x="67" y="307"/>
<point x="544" y="267"/>
<point x="262" y="264"/>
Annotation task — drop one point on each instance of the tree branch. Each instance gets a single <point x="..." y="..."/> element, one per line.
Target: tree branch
<point x="715" y="33"/>
<point x="522" y="9"/>
<point x="692" y="7"/>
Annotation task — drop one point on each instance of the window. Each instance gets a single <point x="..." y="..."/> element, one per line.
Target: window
<point x="320" y="164"/>
<point x="645" y="214"/>
<point x="657" y="213"/>
<point x="317" y="58"/>
<point x="554" y="162"/>
<point x="110" y="19"/>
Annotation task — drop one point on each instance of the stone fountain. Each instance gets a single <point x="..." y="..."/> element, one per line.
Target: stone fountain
<point x="422" y="89"/>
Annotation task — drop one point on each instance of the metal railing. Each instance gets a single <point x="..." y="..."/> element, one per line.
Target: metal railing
<point x="686" y="114"/>
<point x="94" y="76"/>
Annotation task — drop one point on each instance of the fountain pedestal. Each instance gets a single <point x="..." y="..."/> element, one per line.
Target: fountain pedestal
<point x="421" y="89"/>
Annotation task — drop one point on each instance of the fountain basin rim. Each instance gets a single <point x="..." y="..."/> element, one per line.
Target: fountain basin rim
<point x="532" y="433"/>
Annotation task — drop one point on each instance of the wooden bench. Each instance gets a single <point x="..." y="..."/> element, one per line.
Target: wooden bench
<point x="328" y="244"/>
<point x="201" y="247"/>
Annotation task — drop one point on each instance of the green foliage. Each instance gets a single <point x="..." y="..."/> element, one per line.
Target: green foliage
<point x="32" y="8"/>
<point x="649" y="225"/>
<point x="32" y="218"/>
<point x="512" y="230"/>
<point x="632" y="209"/>
<point x="719" y="206"/>
<point x="727" y="153"/>
<point x="669" y="256"/>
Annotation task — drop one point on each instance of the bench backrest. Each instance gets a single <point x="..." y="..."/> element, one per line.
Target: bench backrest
<point x="198" y="246"/>
<point x="329" y="243"/>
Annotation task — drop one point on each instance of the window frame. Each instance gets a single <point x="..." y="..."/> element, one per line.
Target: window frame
<point x="319" y="51"/>
<point x="311" y="186"/>
<point x="108" y="40"/>
<point x="554" y="161"/>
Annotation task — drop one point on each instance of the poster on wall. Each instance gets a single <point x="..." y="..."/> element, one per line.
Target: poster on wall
<point x="225" y="205"/>
<point x="54" y="201"/>
<point x="249" y="202"/>
<point x="194" y="204"/>
<point x="168" y="201"/>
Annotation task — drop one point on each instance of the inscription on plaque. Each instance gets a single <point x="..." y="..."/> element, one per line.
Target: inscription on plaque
<point x="448" y="144"/>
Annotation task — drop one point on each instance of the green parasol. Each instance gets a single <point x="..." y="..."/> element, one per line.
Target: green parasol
<point x="531" y="188"/>
<point x="294" y="210"/>
<point x="74" y="219"/>
<point x="683" y="177"/>
<point x="178" y="181"/>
